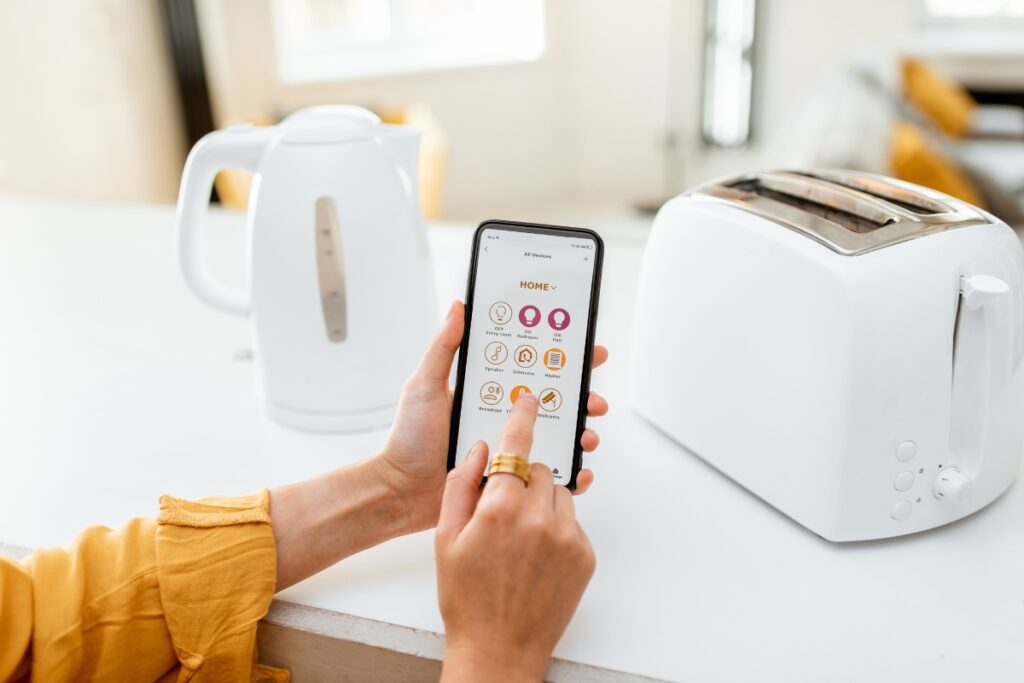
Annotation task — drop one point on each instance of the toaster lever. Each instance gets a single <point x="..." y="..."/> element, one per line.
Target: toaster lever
<point x="979" y="290"/>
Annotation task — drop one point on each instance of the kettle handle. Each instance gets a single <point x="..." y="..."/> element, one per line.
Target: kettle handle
<point x="233" y="147"/>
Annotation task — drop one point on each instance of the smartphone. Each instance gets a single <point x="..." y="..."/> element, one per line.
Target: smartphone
<point x="531" y="310"/>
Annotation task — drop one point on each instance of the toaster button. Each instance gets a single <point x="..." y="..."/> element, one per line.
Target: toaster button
<point x="903" y="481"/>
<point x="906" y="451"/>
<point x="901" y="510"/>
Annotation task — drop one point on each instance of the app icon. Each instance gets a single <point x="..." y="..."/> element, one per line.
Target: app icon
<point x="525" y="356"/>
<point x="558" y="319"/>
<point x="529" y="315"/>
<point x="550" y="400"/>
<point x="491" y="393"/>
<point x="496" y="353"/>
<point x="500" y="313"/>
<point x="554" y="359"/>
<point x="521" y="389"/>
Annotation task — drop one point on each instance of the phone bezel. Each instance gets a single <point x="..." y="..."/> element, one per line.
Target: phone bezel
<point x="588" y="359"/>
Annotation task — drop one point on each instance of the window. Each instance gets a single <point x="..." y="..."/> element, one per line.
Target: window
<point x="324" y="40"/>
<point x="728" y="72"/>
<point x="970" y="27"/>
<point x="973" y="9"/>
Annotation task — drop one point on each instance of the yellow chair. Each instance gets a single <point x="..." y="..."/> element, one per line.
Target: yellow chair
<point x="914" y="159"/>
<point x="944" y="102"/>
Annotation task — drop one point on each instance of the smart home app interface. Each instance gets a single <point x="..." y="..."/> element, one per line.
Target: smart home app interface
<point x="528" y="333"/>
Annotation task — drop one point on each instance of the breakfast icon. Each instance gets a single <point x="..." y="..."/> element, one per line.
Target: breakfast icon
<point x="500" y="313"/>
<point x="554" y="359"/>
<point x="529" y="315"/>
<point x="491" y="393"/>
<point x="496" y="353"/>
<point x="558" y="319"/>
<point x="516" y="391"/>
<point x="550" y="400"/>
<point x="525" y="356"/>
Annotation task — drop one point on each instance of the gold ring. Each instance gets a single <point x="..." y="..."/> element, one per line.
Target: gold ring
<point x="509" y="463"/>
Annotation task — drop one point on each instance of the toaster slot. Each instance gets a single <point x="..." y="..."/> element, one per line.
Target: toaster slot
<point x="849" y="212"/>
<point x="836" y="206"/>
<point x="904" y="198"/>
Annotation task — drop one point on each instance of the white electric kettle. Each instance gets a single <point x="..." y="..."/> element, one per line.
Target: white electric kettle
<point x="340" y="288"/>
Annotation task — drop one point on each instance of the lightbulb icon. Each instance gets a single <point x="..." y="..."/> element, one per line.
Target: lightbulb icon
<point x="558" y="319"/>
<point x="529" y="316"/>
<point x="500" y="312"/>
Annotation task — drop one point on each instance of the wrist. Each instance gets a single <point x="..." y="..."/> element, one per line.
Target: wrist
<point x="465" y="661"/>
<point x="379" y="501"/>
<point x="410" y="507"/>
<point x="323" y="520"/>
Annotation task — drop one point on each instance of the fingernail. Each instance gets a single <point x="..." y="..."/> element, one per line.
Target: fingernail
<point x="451" y="309"/>
<point x="475" y="451"/>
<point x="529" y="398"/>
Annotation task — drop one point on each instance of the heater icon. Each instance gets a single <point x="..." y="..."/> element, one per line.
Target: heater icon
<point x="554" y="359"/>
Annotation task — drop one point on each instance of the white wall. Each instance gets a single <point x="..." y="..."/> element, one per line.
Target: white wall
<point x="584" y="123"/>
<point x="526" y="133"/>
<point x="88" y="107"/>
<point x="93" y="112"/>
<point x="798" y="42"/>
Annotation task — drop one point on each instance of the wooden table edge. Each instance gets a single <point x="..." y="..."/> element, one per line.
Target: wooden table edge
<point x="321" y="645"/>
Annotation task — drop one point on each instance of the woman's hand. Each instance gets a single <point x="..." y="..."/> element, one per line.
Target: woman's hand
<point x="414" y="460"/>
<point x="323" y="520"/>
<point x="512" y="563"/>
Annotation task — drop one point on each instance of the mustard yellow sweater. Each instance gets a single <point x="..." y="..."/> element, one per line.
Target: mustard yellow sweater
<point x="171" y="599"/>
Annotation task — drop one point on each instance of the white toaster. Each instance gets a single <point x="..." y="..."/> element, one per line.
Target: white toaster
<point x="848" y="347"/>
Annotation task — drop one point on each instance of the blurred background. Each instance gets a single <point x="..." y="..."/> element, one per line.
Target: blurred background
<point x="533" y="109"/>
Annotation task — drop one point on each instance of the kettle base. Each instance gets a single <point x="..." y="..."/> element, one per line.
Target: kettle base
<point x="354" y="421"/>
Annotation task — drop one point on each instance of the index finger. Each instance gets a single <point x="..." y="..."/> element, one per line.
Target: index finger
<point x="516" y="437"/>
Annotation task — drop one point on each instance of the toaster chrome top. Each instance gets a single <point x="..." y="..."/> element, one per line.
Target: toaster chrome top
<point x="849" y="212"/>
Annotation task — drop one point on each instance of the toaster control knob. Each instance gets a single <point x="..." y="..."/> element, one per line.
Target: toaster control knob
<point x="978" y="290"/>
<point x="953" y="486"/>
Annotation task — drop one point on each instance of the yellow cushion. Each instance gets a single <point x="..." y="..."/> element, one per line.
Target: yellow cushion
<point x="913" y="159"/>
<point x="233" y="185"/>
<point x="943" y="101"/>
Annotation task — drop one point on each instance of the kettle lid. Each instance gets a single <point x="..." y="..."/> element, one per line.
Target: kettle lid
<point x="329" y="123"/>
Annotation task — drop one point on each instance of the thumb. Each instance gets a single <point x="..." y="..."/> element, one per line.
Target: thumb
<point x="461" y="493"/>
<point x="436" y="363"/>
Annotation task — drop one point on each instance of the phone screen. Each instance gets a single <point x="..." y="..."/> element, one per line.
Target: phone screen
<point x="532" y="297"/>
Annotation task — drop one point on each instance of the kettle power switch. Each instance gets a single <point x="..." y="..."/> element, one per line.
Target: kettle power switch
<point x="979" y="290"/>
<point x="953" y="486"/>
<point x="903" y="481"/>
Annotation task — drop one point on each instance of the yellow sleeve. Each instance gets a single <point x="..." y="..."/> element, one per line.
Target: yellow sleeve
<point x="217" y="567"/>
<point x="15" y="620"/>
<point x="178" y="597"/>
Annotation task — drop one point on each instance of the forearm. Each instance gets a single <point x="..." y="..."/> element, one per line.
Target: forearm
<point x="323" y="520"/>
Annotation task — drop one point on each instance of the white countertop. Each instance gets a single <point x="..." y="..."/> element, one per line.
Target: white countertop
<point x="116" y="385"/>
